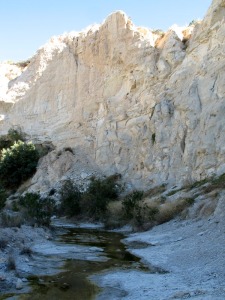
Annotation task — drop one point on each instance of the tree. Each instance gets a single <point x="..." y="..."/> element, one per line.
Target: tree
<point x="17" y="164"/>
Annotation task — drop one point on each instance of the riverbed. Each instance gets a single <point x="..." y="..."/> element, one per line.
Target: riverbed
<point x="90" y="263"/>
<point x="76" y="255"/>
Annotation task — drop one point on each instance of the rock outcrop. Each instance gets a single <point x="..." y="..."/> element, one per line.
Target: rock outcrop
<point x="133" y="101"/>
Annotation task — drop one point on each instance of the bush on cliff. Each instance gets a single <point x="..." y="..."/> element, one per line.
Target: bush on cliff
<point x="17" y="164"/>
<point x="10" y="138"/>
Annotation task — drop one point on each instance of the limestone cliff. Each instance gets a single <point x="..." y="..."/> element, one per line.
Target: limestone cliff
<point x="129" y="100"/>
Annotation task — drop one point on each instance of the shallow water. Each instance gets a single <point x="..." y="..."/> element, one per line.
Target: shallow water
<point x="74" y="283"/>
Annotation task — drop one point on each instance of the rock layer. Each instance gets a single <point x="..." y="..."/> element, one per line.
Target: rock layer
<point x="131" y="100"/>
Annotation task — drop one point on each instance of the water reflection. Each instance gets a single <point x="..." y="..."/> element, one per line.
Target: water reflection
<point x="73" y="283"/>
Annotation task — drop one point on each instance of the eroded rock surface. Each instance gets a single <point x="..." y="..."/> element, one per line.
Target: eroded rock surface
<point x="133" y="101"/>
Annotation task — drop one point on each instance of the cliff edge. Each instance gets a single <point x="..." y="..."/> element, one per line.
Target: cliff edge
<point x="142" y="103"/>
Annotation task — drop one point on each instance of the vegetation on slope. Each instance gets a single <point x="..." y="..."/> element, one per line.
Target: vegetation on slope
<point x="17" y="164"/>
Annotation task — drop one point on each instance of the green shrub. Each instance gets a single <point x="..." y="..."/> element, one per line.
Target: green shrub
<point x="173" y="192"/>
<point x="4" y="143"/>
<point x="3" y="197"/>
<point x="189" y="201"/>
<point x="137" y="217"/>
<point x="153" y="138"/>
<point x="92" y="203"/>
<point x="152" y="212"/>
<point x="158" y="31"/>
<point x="17" y="164"/>
<point x="99" y="193"/>
<point x="38" y="209"/>
<point x="131" y="203"/>
<point x="10" y="138"/>
<point x="70" y="197"/>
<point x="106" y="188"/>
<point x="193" y="22"/>
<point x="198" y="184"/>
<point x="215" y="183"/>
<point x="144" y="216"/>
<point x="15" y="206"/>
<point x="15" y="135"/>
<point x="209" y="184"/>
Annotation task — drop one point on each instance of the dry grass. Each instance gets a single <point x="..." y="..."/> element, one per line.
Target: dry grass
<point x="170" y="210"/>
<point x="7" y="220"/>
<point x="215" y="183"/>
<point x="197" y="184"/>
<point x="173" y="192"/>
<point x="154" y="208"/>
<point x="115" y="206"/>
<point x="114" y="216"/>
<point x="209" y="184"/>
<point x="145" y="210"/>
<point x="208" y="209"/>
<point x="155" y="191"/>
<point x="22" y="64"/>
<point x="151" y="213"/>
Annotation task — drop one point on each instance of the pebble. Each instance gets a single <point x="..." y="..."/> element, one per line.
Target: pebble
<point x="181" y="295"/>
<point x="65" y="286"/>
<point x="2" y="278"/>
<point x="19" y="284"/>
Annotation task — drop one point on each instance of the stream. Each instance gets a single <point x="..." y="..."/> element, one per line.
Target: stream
<point x="82" y="252"/>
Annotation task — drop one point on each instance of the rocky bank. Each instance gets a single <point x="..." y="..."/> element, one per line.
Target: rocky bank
<point x="17" y="258"/>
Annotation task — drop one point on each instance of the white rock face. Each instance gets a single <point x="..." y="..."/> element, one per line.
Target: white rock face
<point x="8" y="72"/>
<point x="147" y="106"/>
<point x="59" y="166"/>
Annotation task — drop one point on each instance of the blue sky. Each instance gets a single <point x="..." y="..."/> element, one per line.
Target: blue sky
<point x="25" y="25"/>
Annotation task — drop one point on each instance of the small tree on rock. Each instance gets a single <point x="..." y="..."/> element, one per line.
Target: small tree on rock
<point x="17" y="164"/>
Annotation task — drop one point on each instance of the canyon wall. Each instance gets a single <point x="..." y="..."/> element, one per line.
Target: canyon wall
<point x="125" y="99"/>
